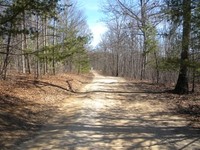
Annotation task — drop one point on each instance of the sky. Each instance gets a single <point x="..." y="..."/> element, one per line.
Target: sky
<point x="93" y="14"/>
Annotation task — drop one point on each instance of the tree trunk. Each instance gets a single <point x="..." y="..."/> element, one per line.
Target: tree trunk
<point x="23" y="45"/>
<point x="26" y="56"/>
<point x="143" y="22"/>
<point x="45" y="44"/>
<point x="182" y="83"/>
<point x="6" y="60"/>
<point x="157" y="69"/>
<point x="53" y="61"/>
<point x="37" y="47"/>
<point x="117" y="65"/>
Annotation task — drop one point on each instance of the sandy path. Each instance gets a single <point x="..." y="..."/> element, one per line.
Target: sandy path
<point x="109" y="114"/>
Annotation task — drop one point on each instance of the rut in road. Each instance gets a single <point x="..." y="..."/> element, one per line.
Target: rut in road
<point x="111" y="113"/>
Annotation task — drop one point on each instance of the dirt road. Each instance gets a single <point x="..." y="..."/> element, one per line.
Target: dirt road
<point x="111" y="113"/>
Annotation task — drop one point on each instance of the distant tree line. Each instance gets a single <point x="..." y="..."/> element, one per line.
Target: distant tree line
<point x="42" y="36"/>
<point x="156" y="40"/>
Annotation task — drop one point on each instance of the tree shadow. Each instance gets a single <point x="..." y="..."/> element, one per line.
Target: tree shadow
<point x="118" y="92"/>
<point x="40" y="84"/>
<point x="125" y="89"/>
<point x="116" y="131"/>
<point x="18" y="121"/>
<point x="120" y="126"/>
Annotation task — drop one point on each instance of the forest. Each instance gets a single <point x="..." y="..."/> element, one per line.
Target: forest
<point x="155" y="40"/>
<point x="140" y="84"/>
<point x="152" y="40"/>
<point x="41" y="37"/>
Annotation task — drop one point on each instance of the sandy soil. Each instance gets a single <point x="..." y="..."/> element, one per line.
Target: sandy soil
<point x="111" y="113"/>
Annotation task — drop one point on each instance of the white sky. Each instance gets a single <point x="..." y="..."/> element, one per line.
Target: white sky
<point x="93" y="14"/>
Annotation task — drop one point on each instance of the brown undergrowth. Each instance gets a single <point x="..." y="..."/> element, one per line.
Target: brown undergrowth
<point x="26" y="103"/>
<point x="186" y="105"/>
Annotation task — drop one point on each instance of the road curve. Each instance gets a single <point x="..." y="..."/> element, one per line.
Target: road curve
<point x="110" y="113"/>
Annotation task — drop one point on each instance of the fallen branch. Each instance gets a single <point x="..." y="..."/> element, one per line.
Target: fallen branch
<point x="70" y="85"/>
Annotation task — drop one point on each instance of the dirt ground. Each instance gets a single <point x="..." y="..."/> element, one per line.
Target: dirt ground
<point x="112" y="113"/>
<point x="26" y="104"/>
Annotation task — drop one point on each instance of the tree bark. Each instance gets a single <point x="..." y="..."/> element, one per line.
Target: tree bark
<point x="53" y="61"/>
<point x="182" y="82"/>
<point x="37" y="47"/>
<point x="143" y="22"/>
<point x="6" y="60"/>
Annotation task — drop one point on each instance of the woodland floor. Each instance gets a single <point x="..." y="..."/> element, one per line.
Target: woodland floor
<point x="108" y="113"/>
<point x="26" y="104"/>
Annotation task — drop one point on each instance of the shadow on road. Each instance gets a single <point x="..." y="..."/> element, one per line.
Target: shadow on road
<point x="17" y="120"/>
<point x="110" y="114"/>
<point x="113" y="131"/>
